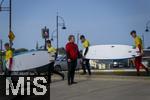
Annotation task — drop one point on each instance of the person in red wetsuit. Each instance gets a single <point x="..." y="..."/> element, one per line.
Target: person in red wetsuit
<point x="139" y="46"/>
<point x="72" y="52"/>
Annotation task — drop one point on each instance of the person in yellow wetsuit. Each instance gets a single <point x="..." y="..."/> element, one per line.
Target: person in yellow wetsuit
<point x="8" y="56"/>
<point x="52" y="50"/>
<point x="85" y="62"/>
<point x="139" y="46"/>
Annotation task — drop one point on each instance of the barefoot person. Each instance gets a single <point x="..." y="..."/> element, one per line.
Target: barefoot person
<point x="72" y="56"/>
<point x="85" y="62"/>
<point x="52" y="51"/>
<point x="139" y="46"/>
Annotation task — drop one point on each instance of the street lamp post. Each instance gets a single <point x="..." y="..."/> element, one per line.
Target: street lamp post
<point x="57" y="32"/>
<point x="10" y="22"/>
<point x="52" y="35"/>
<point x="1" y="53"/>
<point x="10" y="15"/>
<point x="143" y="38"/>
<point x="147" y="29"/>
<point x="147" y="26"/>
<point x="78" y="34"/>
<point x="57" y="28"/>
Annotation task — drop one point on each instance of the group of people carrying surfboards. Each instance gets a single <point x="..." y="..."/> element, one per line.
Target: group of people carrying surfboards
<point x="72" y="53"/>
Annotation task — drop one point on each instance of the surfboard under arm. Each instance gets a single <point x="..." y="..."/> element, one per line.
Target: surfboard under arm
<point x="108" y="52"/>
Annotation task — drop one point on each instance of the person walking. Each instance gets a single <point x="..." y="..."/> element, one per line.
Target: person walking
<point x="72" y="53"/>
<point x="85" y="62"/>
<point x="8" y="58"/>
<point x="52" y="51"/>
<point x="139" y="46"/>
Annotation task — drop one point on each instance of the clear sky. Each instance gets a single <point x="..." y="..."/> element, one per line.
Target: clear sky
<point x="101" y="21"/>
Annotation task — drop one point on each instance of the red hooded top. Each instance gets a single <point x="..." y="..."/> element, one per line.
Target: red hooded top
<point x="72" y="51"/>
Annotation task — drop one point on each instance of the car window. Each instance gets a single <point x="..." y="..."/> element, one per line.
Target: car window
<point x="64" y="58"/>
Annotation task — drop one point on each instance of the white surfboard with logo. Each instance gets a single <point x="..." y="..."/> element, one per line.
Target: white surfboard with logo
<point x="107" y="52"/>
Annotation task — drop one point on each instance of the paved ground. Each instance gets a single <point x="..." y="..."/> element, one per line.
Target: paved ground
<point x="102" y="87"/>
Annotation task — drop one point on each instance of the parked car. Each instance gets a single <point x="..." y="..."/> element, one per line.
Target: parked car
<point x="146" y="58"/>
<point x="61" y="64"/>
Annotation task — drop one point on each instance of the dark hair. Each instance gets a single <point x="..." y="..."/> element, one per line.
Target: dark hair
<point x="48" y="41"/>
<point x="82" y="37"/>
<point x="6" y="44"/>
<point x="133" y="32"/>
<point x="70" y="36"/>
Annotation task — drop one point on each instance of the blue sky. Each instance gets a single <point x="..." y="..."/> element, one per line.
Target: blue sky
<point x="101" y="21"/>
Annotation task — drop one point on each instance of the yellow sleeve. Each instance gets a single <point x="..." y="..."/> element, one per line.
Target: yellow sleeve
<point x="138" y="41"/>
<point x="51" y="50"/>
<point x="86" y="44"/>
<point x="9" y="54"/>
<point x="54" y="50"/>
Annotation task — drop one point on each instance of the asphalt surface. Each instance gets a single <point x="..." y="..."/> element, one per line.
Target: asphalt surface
<point x="101" y="87"/>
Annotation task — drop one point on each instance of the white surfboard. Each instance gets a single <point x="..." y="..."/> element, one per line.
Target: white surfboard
<point x="108" y="52"/>
<point x="31" y="60"/>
